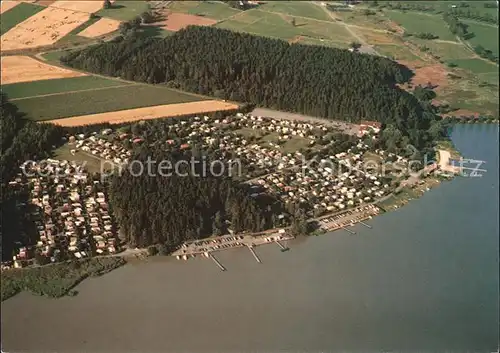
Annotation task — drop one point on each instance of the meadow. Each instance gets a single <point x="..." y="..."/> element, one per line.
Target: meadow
<point x="415" y="22"/>
<point x="297" y="8"/>
<point x="100" y="101"/>
<point x="445" y="50"/>
<point x="279" y="26"/>
<point x="54" y="86"/>
<point x="18" y="14"/>
<point x="210" y="9"/>
<point x="396" y="52"/>
<point x="477" y="66"/>
<point x="124" y="10"/>
<point x="484" y="35"/>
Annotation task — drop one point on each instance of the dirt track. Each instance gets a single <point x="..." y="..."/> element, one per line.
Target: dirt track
<point x="348" y="128"/>
<point x="44" y="28"/>
<point x="155" y="112"/>
<point x="100" y="28"/>
<point x="25" y="69"/>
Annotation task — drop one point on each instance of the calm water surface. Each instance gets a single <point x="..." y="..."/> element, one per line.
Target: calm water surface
<point x="424" y="278"/>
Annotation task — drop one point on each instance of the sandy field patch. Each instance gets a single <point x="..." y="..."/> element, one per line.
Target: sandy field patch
<point x="159" y="111"/>
<point x="176" y="21"/>
<point x="45" y="2"/>
<point x="82" y="6"/>
<point x="101" y="27"/>
<point x="436" y="74"/>
<point x="25" y="69"/>
<point x="44" y="28"/>
<point x="7" y="5"/>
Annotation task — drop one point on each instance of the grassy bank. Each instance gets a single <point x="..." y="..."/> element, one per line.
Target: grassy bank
<point x="55" y="280"/>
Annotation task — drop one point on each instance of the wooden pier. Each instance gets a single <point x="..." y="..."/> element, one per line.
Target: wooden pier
<point x="254" y="254"/>
<point x="222" y="268"/>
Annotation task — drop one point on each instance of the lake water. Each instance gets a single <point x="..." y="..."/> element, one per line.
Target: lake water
<point x="425" y="278"/>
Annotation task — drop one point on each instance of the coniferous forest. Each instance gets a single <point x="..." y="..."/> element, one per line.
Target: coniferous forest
<point x="312" y="80"/>
<point x="156" y="209"/>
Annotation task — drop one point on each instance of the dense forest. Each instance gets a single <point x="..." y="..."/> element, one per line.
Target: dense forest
<point x="171" y="209"/>
<point x="313" y="80"/>
<point x="21" y="140"/>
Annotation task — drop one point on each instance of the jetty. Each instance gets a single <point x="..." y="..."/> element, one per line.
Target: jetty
<point x="222" y="268"/>
<point x="250" y="247"/>
<point x="366" y="225"/>
<point x="282" y="247"/>
<point x="349" y="217"/>
<point x="349" y="231"/>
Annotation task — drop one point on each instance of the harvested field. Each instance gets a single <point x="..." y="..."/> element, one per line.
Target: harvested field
<point x="101" y="27"/>
<point x="25" y="69"/>
<point x="18" y="14"/>
<point x="7" y="5"/>
<point x="161" y="111"/>
<point x="81" y="6"/>
<point x="435" y="74"/>
<point x="44" y="28"/>
<point x="176" y="21"/>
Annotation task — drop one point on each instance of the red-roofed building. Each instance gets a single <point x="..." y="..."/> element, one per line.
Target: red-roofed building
<point x="369" y="126"/>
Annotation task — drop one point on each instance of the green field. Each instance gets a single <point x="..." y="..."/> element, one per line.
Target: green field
<point x="278" y="26"/>
<point x="101" y="101"/>
<point x="124" y="10"/>
<point x="396" y="52"/>
<point x="54" y="56"/>
<point x="489" y="77"/>
<point x="17" y="14"/>
<point x="297" y="8"/>
<point x="421" y="23"/>
<point x="211" y="9"/>
<point x="446" y="51"/>
<point x="477" y="66"/>
<point x="323" y="43"/>
<point x="485" y="35"/>
<point x="37" y="88"/>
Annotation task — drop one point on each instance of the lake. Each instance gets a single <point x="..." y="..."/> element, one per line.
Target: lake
<point x="424" y="278"/>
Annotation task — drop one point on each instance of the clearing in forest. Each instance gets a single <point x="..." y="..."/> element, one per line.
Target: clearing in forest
<point x="44" y="28"/>
<point x="176" y="21"/>
<point x="436" y="74"/>
<point x="162" y="111"/>
<point x="100" y="28"/>
<point x="25" y="69"/>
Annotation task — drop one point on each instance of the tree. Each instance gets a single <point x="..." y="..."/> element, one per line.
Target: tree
<point x="355" y="45"/>
<point x="293" y="22"/>
<point x="107" y="4"/>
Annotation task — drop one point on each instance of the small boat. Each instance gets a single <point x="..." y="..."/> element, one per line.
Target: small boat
<point x="178" y="257"/>
<point x="206" y="254"/>
<point x="184" y="257"/>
